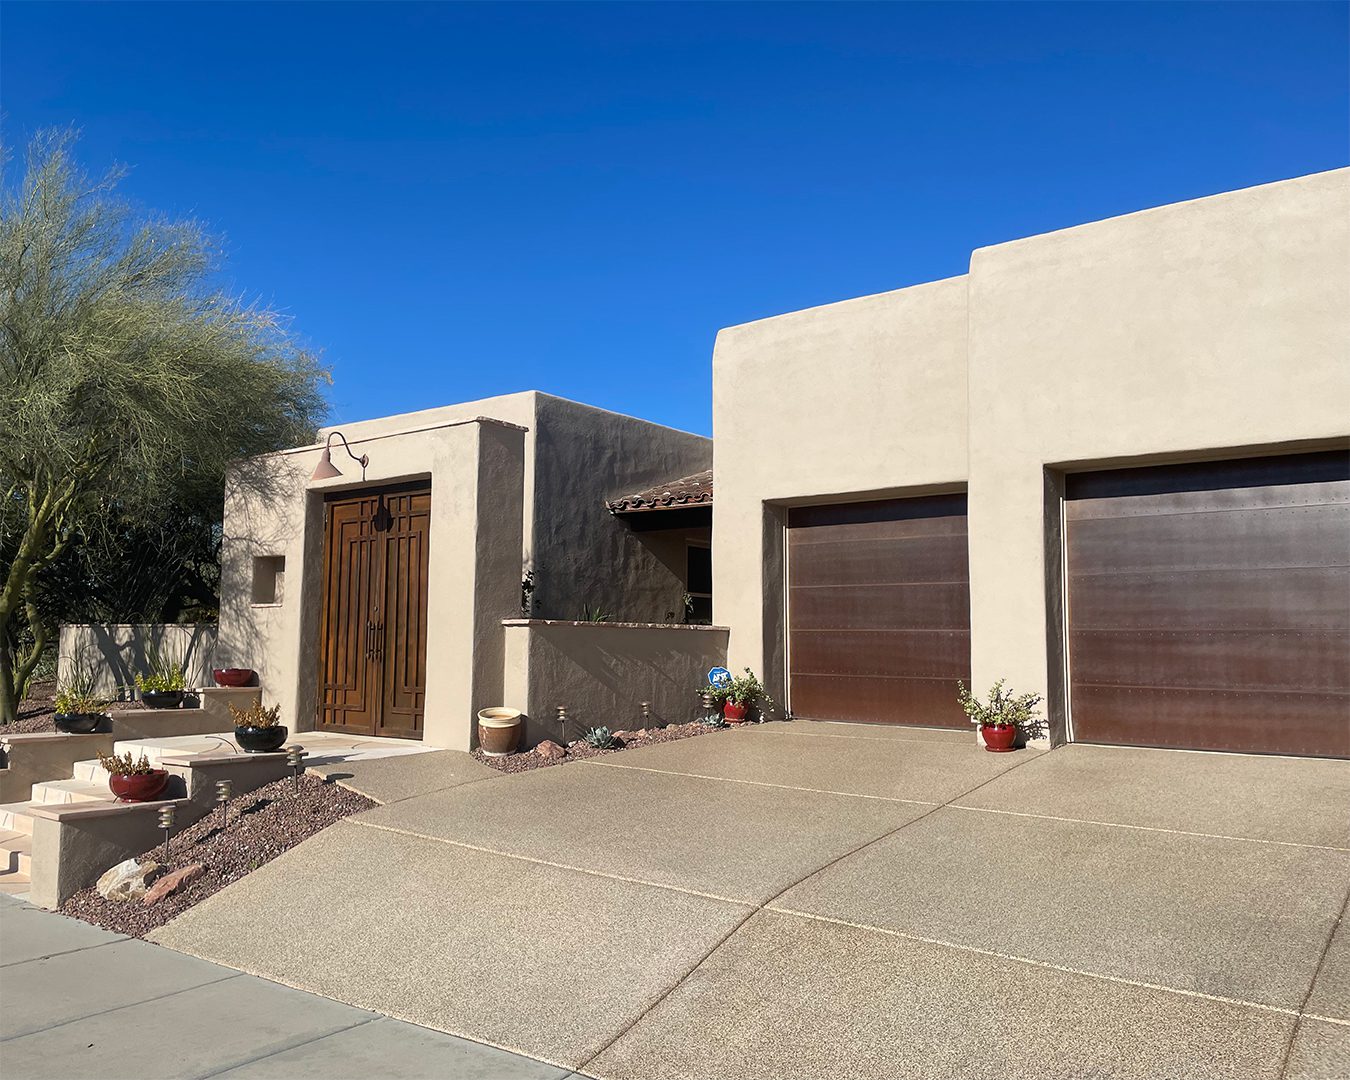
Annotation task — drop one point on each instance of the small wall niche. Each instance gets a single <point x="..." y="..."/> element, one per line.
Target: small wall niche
<point x="269" y="578"/>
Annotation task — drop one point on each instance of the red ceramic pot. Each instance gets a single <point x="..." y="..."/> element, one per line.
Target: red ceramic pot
<point x="139" y="787"/>
<point x="1000" y="739"/>
<point x="733" y="713"/>
<point x="233" y="676"/>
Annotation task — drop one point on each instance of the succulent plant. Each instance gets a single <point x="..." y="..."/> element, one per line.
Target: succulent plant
<point x="601" y="738"/>
<point x="256" y="716"/>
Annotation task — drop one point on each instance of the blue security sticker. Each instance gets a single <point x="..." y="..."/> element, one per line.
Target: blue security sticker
<point x="719" y="676"/>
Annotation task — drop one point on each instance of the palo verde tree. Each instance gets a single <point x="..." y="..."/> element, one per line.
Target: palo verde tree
<point x="128" y="381"/>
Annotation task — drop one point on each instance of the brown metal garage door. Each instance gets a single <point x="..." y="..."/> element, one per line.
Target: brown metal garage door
<point x="879" y="611"/>
<point x="1209" y="605"/>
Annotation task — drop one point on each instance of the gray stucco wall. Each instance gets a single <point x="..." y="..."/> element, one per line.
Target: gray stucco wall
<point x="582" y="554"/>
<point x="602" y="672"/>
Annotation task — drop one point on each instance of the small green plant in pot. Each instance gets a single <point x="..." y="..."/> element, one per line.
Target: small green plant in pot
<point x="165" y="684"/>
<point x="132" y="779"/>
<point x="79" y="710"/>
<point x="738" y="696"/>
<point x="258" y="729"/>
<point x="1004" y="717"/>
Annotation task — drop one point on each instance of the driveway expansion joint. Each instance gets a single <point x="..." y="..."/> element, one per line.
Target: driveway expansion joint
<point x="768" y="904"/>
<point x="555" y="865"/>
<point x="766" y="783"/>
<point x="1146" y="828"/>
<point x="65" y="952"/>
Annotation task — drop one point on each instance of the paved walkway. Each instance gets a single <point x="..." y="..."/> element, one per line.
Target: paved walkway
<point x="76" y="1001"/>
<point x="801" y="900"/>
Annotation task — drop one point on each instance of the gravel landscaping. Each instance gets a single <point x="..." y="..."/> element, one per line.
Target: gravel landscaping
<point x="262" y="824"/>
<point x="540" y="757"/>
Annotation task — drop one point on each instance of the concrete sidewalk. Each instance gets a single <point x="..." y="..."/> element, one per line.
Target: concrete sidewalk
<point x="77" y="1002"/>
<point x="816" y="900"/>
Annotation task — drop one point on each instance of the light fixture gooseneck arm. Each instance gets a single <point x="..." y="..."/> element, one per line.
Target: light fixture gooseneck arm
<point x="363" y="460"/>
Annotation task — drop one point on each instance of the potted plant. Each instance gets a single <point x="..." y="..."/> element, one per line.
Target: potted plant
<point x="233" y="676"/>
<point x="1003" y="717"/>
<point x="164" y="685"/>
<point x="738" y="695"/>
<point x="78" y="709"/>
<point x="258" y="730"/>
<point x="131" y="780"/>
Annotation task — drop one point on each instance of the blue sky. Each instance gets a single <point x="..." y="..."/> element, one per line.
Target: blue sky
<point x="454" y="201"/>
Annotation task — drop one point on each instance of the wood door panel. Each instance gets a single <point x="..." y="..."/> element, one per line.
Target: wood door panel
<point x="1214" y="616"/>
<point x="372" y="677"/>
<point x="877" y="700"/>
<point x="1218" y="659"/>
<point x="879" y="611"/>
<point x="1288" y="599"/>
<point x="878" y="561"/>
<point x="919" y="654"/>
<point x="922" y="605"/>
<point x="1288" y="722"/>
<point x="1255" y="539"/>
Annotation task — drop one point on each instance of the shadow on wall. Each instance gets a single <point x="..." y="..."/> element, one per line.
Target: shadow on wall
<point x="116" y="653"/>
<point x="602" y="674"/>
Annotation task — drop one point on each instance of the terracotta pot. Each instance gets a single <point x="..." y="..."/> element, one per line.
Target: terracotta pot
<point x="733" y="713"/>
<point x="233" y="676"/>
<point x="260" y="740"/>
<point x="139" y="787"/>
<point x="79" y="723"/>
<point x="999" y="740"/>
<point x="162" y="699"/>
<point x="499" y="731"/>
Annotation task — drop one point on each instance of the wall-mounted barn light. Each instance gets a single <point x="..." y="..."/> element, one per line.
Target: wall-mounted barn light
<point x="326" y="470"/>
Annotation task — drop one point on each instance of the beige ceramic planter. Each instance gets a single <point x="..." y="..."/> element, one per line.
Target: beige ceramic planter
<point x="499" y="731"/>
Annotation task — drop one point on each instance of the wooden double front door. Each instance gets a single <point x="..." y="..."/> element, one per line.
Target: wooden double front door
<point x="373" y="633"/>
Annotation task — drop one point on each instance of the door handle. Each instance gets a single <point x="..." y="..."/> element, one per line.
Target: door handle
<point x="370" y="640"/>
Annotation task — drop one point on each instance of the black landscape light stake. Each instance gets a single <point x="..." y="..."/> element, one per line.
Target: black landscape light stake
<point x="706" y="698"/>
<point x="562" y="724"/>
<point x="224" y="789"/>
<point x="646" y="714"/>
<point x="166" y="820"/>
<point x="295" y="756"/>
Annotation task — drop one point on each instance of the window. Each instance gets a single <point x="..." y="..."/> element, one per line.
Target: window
<point x="269" y="574"/>
<point x="698" y="584"/>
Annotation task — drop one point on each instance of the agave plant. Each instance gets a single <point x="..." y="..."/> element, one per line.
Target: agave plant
<point x="601" y="738"/>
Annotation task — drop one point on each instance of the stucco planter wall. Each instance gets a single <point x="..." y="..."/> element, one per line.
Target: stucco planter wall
<point x="602" y="672"/>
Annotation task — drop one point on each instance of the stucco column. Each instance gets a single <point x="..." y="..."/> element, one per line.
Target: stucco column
<point x="478" y="483"/>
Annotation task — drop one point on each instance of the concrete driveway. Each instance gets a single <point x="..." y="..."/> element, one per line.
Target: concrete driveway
<point x="817" y="900"/>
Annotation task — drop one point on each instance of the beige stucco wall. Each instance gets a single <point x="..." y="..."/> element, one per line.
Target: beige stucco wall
<point x="115" y="653"/>
<point x="861" y="398"/>
<point x="1206" y="328"/>
<point x="274" y="509"/>
<point x="524" y="487"/>
<point x="602" y="672"/>
<point x="1213" y="328"/>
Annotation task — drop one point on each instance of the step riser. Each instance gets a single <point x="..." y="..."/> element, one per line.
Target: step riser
<point x="20" y="823"/>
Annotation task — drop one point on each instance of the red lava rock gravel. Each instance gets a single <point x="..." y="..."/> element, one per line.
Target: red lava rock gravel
<point x="528" y="759"/>
<point x="262" y="824"/>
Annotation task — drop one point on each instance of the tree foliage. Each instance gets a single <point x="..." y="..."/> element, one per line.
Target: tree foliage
<point x="128" y="381"/>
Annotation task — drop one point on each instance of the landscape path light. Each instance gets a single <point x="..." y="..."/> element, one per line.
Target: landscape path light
<point x="224" y="789"/>
<point x="167" y="814"/>
<point x="295" y="756"/>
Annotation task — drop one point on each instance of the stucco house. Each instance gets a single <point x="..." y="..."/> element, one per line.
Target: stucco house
<point x="455" y="569"/>
<point x="1107" y="464"/>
